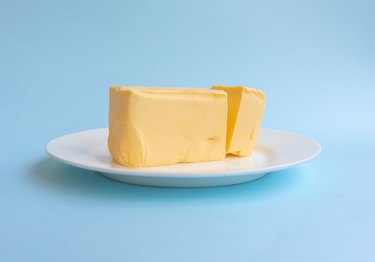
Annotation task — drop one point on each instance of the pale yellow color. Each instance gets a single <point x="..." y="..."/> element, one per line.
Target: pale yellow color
<point x="162" y="126"/>
<point x="245" y="112"/>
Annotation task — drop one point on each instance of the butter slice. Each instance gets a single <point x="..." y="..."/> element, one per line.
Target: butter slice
<point x="151" y="126"/>
<point x="245" y="112"/>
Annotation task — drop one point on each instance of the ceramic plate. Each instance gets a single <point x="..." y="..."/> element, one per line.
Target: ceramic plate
<point x="275" y="150"/>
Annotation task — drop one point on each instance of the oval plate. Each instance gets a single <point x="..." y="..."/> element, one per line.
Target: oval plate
<point x="275" y="150"/>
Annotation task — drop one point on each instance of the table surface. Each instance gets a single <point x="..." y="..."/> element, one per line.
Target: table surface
<point x="315" y="60"/>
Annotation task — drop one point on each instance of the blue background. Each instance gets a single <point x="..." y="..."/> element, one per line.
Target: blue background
<point x="315" y="60"/>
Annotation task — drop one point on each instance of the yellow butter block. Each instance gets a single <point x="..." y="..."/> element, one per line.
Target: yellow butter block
<point x="245" y="112"/>
<point x="162" y="126"/>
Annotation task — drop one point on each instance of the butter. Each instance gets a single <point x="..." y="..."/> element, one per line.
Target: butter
<point x="162" y="126"/>
<point x="245" y="112"/>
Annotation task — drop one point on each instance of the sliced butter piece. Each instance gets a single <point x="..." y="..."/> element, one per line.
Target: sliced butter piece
<point x="245" y="112"/>
<point x="161" y="126"/>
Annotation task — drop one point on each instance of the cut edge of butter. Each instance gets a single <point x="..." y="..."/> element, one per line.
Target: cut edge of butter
<point x="245" y="112"/>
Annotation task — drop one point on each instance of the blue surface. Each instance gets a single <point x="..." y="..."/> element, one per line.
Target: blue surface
<point x="314" y="59"/>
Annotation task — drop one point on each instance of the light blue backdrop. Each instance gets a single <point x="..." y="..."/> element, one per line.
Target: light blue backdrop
<point x="314" y="59"/>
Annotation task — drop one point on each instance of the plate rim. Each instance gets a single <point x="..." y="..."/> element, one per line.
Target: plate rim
<point x="215" y="174"/>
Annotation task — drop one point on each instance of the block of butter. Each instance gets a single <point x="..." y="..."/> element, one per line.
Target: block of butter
<point x="151" y="126"/>
<point x="245" y="112"/>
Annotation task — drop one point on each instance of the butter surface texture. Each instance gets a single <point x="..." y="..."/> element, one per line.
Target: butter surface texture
<point x="245" y="112"/>
<point x="151" y="126"/>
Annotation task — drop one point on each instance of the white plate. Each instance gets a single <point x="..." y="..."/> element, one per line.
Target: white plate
<point x="275" y="150"/>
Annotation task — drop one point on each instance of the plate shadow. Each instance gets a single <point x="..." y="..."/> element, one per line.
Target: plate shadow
<point x="70" y="180"/>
